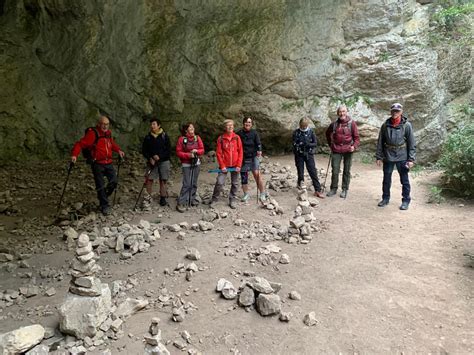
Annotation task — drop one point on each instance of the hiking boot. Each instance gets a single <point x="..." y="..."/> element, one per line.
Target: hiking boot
<point x="404" y="205"/>
<point x="319" y="194"/>
<point x="180" y="208"/>
<point x="263" y="196"/>
<point x="163" y="201"/>
<point x="301" y="185"/>
<point x="213" y="203"/>
<point x="331" y="192"/>
<point x="383" y="203"/>
<point x="233" y="204"/>
<point x="343" y="194"/>
<point x="195" y="203"/>
<point x="106" y="211"/>
<point x="245" y="197"/>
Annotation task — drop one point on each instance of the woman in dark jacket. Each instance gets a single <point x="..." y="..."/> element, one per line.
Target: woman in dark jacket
<point x="252" y="156"/>
<point x="304" y="147"/>
<point x="343" y="138"/>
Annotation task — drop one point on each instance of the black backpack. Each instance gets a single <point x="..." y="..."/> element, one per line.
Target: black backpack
<point x="87" y="153"/>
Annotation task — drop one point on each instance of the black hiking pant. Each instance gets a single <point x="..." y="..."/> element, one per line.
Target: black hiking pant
<point x="100" y="172"/>
<point x="388" y="167"/>
<point x="308" y="159"/>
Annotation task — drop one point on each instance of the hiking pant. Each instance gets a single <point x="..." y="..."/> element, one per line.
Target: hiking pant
<point x="187" y="196"/>
<point x="336" y="167"/>
<point x="308" y="159"/>
<point x="388" y="167"/>
<point x="220" y="182"/>
<point x="100" y="171"/>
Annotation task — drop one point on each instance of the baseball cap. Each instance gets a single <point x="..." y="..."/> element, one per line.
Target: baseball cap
<point x="396" y="107"/>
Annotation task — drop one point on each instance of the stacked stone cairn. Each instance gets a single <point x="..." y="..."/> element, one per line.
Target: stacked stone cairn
<point x="88" y="301"/>
<point x="153" y="345"/>
<point x="300" y="227"/>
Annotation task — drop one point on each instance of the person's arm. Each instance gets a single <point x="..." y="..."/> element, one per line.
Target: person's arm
<point x="167" y="146"/>
<point x="380" y="144"/>
<point x="411" y="143"/>
<point x="313" y="142"/>
<point x="258" y="144"/>
<point x="85" y="142"/>
<point x="180" y="153"/>
<point x="219" y="153"/>
<point x="355" y="136"/>
<point x="116" y="148"/>
<point x="329" y="134"/>
<point x="240" y="151"/>
<point x="200" y="150"/>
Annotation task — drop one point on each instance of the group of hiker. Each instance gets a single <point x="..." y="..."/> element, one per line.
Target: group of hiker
<point x="240" y="153"/>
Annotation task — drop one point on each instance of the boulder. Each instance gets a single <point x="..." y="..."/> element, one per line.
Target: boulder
<point x="20" y="340"/>
<point x="268" y="304"/>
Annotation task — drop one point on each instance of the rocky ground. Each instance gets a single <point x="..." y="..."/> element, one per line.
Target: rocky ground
<point x="298" y="275"/>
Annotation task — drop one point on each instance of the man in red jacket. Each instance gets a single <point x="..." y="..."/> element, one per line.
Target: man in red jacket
<point x="343" y="138"/>
<point x="99" y="142"/>
<point x="229" y="154"/>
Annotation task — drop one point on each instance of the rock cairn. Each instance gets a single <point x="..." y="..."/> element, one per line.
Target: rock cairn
<point x="88" y="302"/>
<point x="153" y="345"/>
<point x="301" y="227"/>
<point x="84" y="270"/>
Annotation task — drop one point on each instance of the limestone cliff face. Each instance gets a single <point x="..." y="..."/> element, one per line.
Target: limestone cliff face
<point x="61" y="61"/>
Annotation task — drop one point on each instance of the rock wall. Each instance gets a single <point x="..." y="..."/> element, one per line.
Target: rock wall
<point x="62" y="61"/>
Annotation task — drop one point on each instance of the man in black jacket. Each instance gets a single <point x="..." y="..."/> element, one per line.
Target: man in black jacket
<point x="396" y="147"/>
<point x="156" y="149"/>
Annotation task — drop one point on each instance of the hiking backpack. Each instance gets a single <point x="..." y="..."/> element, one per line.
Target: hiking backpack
<point x="349" y="125"/>
<point x="87" y="153"/>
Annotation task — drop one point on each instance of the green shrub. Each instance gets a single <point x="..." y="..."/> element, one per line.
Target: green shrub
<point x="436" y="195"/>
<point x="453" y="21"/>
<point x="457" y="160"/>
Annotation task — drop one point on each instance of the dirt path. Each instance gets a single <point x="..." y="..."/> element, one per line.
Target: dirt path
<point x="380" y="280"/>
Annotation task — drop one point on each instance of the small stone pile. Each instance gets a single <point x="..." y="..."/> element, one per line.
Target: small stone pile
<point x="280" y="178"/>
<point x="272" y="205"/>
<point x="153" y="345"/>
<point x="146" y="202"/>
<point x="88" y="302"/>
<point x="254" y="292"/>
<point x="300" y="228"/>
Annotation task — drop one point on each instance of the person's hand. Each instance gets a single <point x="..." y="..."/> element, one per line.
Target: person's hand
<point x="378" y="162"/>
<point x="156" y="157"/>
<point x="122" y="154"/>
<point x="410" y="164"/>
<point x="237" y="169"/>
<point x="191" y="155"/>
<point x="152" y="161"/>
<point x="224" y="170"/>
<point x="352" y="148"/>
<point x="73" y="160"/>
<point x="194" y="151"/>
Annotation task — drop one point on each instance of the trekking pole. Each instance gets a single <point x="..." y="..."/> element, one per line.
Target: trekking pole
<point x="193" y="164"/>
<point x="143" y="187"/>
<point x="71" y="164"/>
<point x="327" y="171"/>
<point x="118" y="173"/>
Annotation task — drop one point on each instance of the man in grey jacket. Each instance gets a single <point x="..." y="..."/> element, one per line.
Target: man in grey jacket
<point x="396" y="147"/>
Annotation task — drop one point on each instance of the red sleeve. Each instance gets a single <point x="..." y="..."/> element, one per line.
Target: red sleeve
<point x="115" y="146"/>
<point x="241" y="151"/>
<point x="219" y="153"/>
<point x="180" y="153"/>
<point x="200" y="150"/>
<point x="85" y="142"/>
<point x="329" y="134"/>
<point x="355" y="135"/>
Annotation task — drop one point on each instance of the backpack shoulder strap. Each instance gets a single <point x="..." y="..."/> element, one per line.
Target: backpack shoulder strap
<point x="97" y="136"/>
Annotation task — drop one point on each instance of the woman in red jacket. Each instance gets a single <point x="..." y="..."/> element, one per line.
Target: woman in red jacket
<point x="343" y="138"/>
<point x="229" y="153"/>
<point x="188" y="149"/>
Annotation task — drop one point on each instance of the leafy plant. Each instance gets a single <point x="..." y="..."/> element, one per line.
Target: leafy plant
<point x="383" y="57"/>
<point x="436" y="195"/>
<point x="366" y="158"/>
<point x="287" y="106"/>
<point x="336" y="58"/>
<point x="451" y="21"/>
<point x="457" y="160"/>
<point x="416" y="170"/>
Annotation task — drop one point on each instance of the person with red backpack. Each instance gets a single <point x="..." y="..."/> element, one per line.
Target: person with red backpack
<point x="229" y="153"/>
<point x="188" y="149"/>
<point x="343" y="138"/>
<point x="97" y="146"/>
